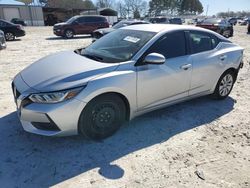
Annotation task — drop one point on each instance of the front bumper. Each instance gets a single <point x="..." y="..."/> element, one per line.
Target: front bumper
<point x="58" y="32"/>
<point x="20" y="33"/>
<point x="60" y="119"/>
<point x="2" y="45"/>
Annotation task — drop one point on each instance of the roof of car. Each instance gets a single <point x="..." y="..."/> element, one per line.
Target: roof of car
<point x="163" y="27"/>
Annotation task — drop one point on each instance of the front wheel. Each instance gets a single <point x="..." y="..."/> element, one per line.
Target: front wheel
<point x="69" y="34"/>
<point x="9" y="36"/>
<point x="102" y="117"/>
<point x="224" y="85"/>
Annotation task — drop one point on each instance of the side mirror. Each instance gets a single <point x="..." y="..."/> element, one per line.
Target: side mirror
<point x="155" y="59"/>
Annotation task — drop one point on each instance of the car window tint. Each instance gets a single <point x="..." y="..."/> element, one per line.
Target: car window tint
<point x="172" y="45"/>
<point x="215" y="41"/>
<point x="201" y="42"/>
<point x="94" y="19"/>
<point x="2" y="24"/>
<point x="82" y="20"/>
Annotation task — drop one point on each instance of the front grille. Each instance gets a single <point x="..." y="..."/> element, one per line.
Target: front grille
<point x="16" y="93"/>
<point x="25" y="102"/>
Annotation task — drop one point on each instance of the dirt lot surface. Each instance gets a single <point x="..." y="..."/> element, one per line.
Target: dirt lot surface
<point x="166" y="148"/>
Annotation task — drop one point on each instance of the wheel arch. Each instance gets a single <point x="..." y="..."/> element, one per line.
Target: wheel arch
<point x="124" y="99"/>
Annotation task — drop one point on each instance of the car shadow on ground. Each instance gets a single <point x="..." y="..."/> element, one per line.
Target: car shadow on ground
<point x="74" y="38"/>
<point x="14" y="40"/>
<point x="29" y="160"/>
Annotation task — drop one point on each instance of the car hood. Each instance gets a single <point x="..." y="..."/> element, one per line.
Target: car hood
<point x="105" y="30"/>
<point x="60" y="24"/>
<point x="63" y="70"/>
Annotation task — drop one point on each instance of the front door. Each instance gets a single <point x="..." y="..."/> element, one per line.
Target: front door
<point x="160" y="84"/>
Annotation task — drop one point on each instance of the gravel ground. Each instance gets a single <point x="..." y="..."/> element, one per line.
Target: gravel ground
<point x="166" y="148"/>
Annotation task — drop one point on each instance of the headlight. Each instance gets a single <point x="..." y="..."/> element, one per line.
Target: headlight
<point x="55" y="97"/>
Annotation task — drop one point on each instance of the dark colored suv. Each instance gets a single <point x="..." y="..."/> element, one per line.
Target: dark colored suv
<point x="2" y="40"/>
<point x="11" y="31"/>
<point x="78" y="25"/>
<point x="220" y="26"/>
<point x="248" y="27"/>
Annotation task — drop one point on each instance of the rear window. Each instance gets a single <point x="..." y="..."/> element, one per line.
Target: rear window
<point x="211" y="21"/>
<point x="201" y="42"/>
<point x="92" y="19"/>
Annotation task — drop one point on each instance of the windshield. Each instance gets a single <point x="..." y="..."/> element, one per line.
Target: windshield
<point x="118" y="46"/>
<point x="120" y="25"/>
<point x="211" y="21"/>
<point x="71" y="20"/>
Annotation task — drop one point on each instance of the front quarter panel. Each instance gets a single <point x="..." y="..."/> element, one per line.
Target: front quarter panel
<point x="122" y="81"/>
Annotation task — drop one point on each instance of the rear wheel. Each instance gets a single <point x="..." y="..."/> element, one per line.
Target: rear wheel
<point x="224" y="85"/>
<point x="102" y="116"/>
<point x="69" y="33"/>
<point x="9" y="36"/>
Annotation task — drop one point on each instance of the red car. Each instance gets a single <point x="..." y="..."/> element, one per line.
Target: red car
<point x="78" y="25"/>
<point x="220" y="26"/>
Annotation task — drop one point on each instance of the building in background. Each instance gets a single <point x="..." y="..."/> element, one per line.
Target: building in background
<point x="32" y="14"/>
<point x="110" y="14"/>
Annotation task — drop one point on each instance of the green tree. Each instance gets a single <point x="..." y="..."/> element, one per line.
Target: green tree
<point x="137" y="14"/>
<point x="157" y="7"/>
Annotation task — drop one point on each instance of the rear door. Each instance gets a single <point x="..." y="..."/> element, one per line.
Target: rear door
<point x="82" y="26"/>
<point x="206" y="61"/>
<point x="160" y="84"/>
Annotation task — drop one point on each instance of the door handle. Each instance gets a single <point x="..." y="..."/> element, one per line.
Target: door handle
<point x="186" y="66"/>
<point x="223" y="57"/>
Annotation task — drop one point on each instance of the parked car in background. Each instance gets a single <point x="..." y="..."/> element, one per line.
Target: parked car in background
<point x="2" y="40"/>
<point x="18" y="21"/>
<point x="101" y="32"/>
<point x="243" y="22"/>
<point x="177" y="21"/>
<point x="11" y="31"/>
<point x="79" y="25"/>
<point x="233" y="21"/>
<point x="159" y="20"/>
<point x="221" y="26"/>
<point x="50" y="20"/>
<point x="129" y="72"/>
<point x="248" y="27"/>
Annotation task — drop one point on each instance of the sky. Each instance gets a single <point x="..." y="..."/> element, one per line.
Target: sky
<point x="216" y="6"/>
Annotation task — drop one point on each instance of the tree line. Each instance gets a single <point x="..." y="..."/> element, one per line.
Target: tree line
<point x="130" y="8"/>
<point x="234" y="14"/>
<point x="177" y="7"/>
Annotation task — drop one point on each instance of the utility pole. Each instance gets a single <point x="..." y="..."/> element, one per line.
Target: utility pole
<point x="207" y="10"/>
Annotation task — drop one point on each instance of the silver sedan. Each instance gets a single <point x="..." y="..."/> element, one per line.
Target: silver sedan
<point x="128" y="72"/>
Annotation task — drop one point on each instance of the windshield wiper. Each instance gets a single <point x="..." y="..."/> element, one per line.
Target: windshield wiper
<point x="94" y="57"/>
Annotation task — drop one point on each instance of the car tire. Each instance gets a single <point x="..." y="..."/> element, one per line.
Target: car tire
<point x="9" y="36"/>
<point x="102" y="117"/>
<point x="224" y="85"/>
<point x="69" y="33"/>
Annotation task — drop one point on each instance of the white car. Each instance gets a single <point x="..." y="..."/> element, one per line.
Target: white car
<point x="124" y="74"/>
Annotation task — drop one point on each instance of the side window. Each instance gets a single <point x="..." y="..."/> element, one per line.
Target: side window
<point x="2" y="24"/>
<point x="215" y="41"/>
<point x="171" y="45"/>
<point x="93" y="19"/>
<point x="81" y="20"/>
<point x="201" y="42"/>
